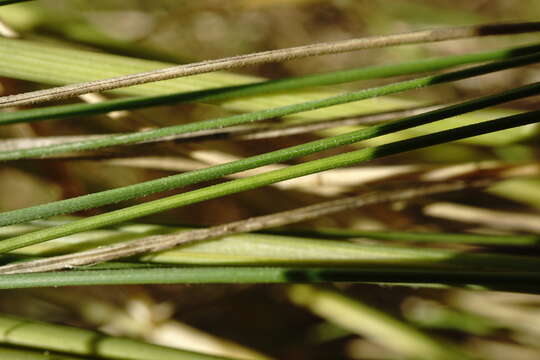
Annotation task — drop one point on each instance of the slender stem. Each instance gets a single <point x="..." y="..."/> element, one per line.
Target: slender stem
<point x="245" y="132"/>
<point x="403" y="236"/>
<point x="253" y="182"/>
<point x="453" y="33"/>
<point x="265" y="274"/>
<point x="213" y="172"/>
<point x="270" y="113"/>
<point x="288" y="84"/>
<point x="158" y="243"/>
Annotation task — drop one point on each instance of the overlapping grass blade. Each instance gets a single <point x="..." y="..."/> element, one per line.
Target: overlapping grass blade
<point x="270" y="86"/>
<point x="193" y="177"/>
<point x="66" y="66"/>
<point x="270" y="113"/>
<point x="252" y="249"/>
<point x="415" y="37"/>
<point x="253" y="182"/>
<point x="129" y="231"/>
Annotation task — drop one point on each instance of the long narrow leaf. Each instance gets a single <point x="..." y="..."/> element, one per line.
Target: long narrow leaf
<point x="269" y="56"/>
<point x="271" y="177"/>
<point x="265" y="274"/>
<point x="288" y="84"/>
<point x="270" y="113"/>
<point x="194" y="177"/>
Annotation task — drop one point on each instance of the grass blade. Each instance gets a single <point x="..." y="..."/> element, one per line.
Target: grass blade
<point x="270" y="113"/>
<point x="256" y="181"/>
<point x="269" y="56"/>
<point x="193" y="177"/>
<point x="224" y="93"/>
<point x="428" y="237"/>
<point x="265" y="274"/>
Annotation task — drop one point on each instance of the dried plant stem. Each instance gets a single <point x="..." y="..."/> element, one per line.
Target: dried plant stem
<point x="423" y="36"/>
<point x="164" y="242"/>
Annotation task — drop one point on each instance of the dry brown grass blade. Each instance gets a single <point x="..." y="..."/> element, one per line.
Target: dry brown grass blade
<point x="474" y="178"/>
<point x="164" y="242"/>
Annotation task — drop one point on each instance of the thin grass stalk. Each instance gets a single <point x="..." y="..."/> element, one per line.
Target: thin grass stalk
<point x="142" y="136"/>
<point x="509" y="240"/>
<point x="266" y="274"/>
<point x="197" y="176"/>
<point x="165" y="242"/>
<point x="288" y="84"/>
<point x="424" y="36"/>
<point x="253" y="182"/>
<point x="421" y="237"/>
<point x="255" y="249"/>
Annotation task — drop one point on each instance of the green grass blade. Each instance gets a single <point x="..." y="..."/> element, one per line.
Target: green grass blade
<point x="220" y="94"/>
<point x="270" y="250"/>
<point x="264" y="274"/>
<point x="270" y="113"/>
<point x="277" y="55"/>
<point x="59" y="66"/>
<point x="429" y="237"/>
<point x="194" y="177"/>
<point x="92" y="239"/>
<point x="77" y="341"/>
<point x="271" y="177"/>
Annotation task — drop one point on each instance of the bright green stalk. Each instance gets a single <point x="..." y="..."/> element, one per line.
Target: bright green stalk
<point x="289" y="84"/>
<point x="77" y="341"/>
<point x="253" y="182"/>
<point x="214" y="172"/>
<point x="149" y="135"/>
<point x="266" y="274"/>
<point x="59" y="66"/>
<point x="368" y="322"/>
<point x="479" y="239"/>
